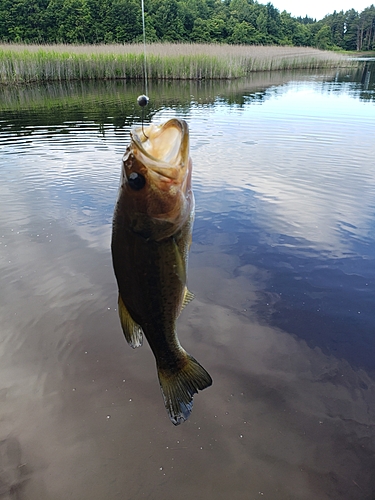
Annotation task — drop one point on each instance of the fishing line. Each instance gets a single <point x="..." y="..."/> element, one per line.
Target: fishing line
<point x="144" y="46"/>
<point x="143" y="100"/>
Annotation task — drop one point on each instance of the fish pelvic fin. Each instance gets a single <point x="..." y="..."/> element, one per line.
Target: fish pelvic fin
<point x="132" y="331"/>
<point x="178" y="388"/>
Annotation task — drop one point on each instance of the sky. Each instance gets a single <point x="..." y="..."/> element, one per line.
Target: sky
<point x="319" y="8"/>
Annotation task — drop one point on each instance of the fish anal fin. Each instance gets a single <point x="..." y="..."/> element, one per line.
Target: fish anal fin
<point x="188" y="297"/>
<point x="178" y="388"/>
<point x="132" y="331"/>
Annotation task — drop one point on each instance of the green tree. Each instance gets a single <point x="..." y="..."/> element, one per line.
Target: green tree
<point x="168" y="20"/>
<point x="336" y="22"/>
<point x="273" y="23"/>
<point x="245" y="33"/>
<point x="323" y="39"/>
<point x="261" y="22"/>
<point x="366" y="29"/>
<point x="242" y="10"/>
<point x="294" y="32"/>
<point x="68" y="21"/>
<point x="209" y="30"/>
<point x="124" y="21"/>
<point x="351" y="30"/>
<point x="232" y="21"/>
<point x="99" y="12"/>
<point x="22" y="20"/>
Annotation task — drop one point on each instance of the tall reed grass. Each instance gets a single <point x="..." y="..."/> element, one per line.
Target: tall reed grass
<point x="41" y="63"/>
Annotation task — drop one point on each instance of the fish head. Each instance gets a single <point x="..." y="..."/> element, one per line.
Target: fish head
<point x="156" y="179"/>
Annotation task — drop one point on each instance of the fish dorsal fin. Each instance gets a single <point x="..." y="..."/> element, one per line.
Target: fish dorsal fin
<point x="132" y="331"/>
<point x="188" y="297"/>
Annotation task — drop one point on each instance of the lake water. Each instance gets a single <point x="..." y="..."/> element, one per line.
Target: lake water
<point x="282" y="266"/>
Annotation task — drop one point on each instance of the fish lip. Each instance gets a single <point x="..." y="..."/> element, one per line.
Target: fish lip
<point x="157" y="165"/>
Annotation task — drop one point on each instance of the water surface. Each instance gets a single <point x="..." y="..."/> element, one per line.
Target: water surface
<point x="282" y="266"/>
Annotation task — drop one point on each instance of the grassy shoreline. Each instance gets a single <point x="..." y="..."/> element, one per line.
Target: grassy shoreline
<point x="44" y="63"/>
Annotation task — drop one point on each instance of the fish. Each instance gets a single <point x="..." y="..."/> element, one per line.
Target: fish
<point x="151" y="237"/>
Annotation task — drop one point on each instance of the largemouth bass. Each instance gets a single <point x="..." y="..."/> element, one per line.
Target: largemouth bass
<point x="151" y="236"/>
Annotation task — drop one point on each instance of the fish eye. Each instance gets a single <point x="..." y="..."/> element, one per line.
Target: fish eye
<point x="136" y="181"/>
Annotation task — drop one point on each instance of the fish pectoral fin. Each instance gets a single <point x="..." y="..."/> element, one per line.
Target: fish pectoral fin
<point x="132" y="331"/>
<point x="188" y="297"/>
<point x="178" y="388"/>
<point x="180" y="267"/>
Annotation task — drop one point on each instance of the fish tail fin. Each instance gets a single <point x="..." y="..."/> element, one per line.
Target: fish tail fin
<point x="179" y="387"/>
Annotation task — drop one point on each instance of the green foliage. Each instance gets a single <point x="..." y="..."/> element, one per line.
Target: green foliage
<point x="323" y="39"/>
<point x="22" y="20"/>
<point x="220" y="21"/>
<point x="350" y="35"/>
<point x="167" y="17"/>
<point x="295" y="33"/>
<point x="245" y="33"/>
<point x="366" y="29"/>
<point x="72" y="18"/>
<point x="208" y="30"/>
<point x="124" y="21"/>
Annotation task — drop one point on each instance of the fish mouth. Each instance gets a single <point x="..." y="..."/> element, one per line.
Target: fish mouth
<point x="163" y="149"/>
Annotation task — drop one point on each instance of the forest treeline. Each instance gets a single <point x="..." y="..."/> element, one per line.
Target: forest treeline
<point x="216" y="21"/>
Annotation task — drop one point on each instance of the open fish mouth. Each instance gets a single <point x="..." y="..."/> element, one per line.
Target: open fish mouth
<point x="156" y="177"/>
<point x="162" y="148"/>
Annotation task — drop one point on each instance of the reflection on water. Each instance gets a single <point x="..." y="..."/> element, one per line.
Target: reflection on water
<point x="282" y="266"/>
